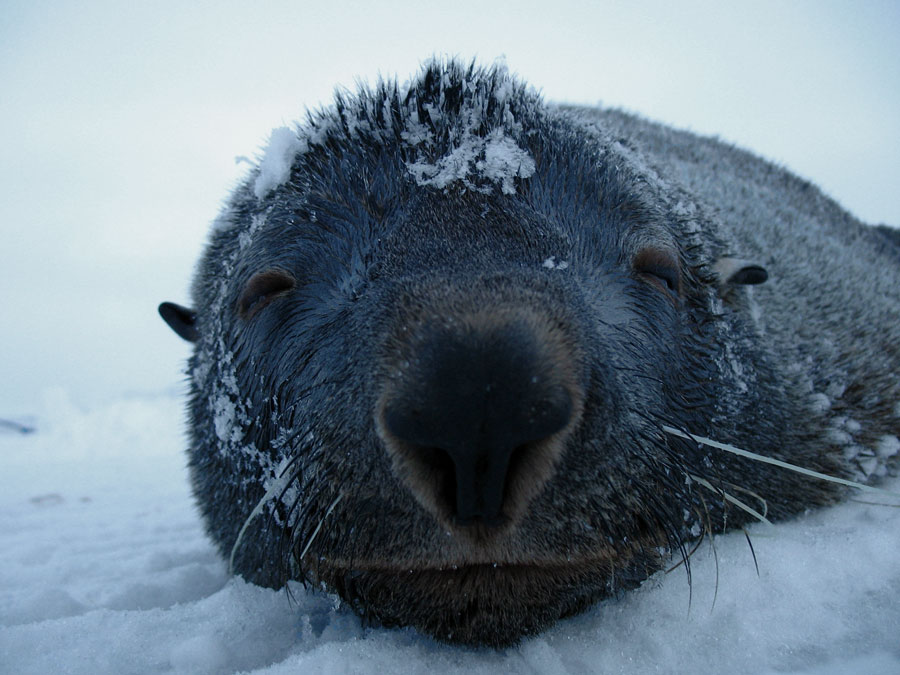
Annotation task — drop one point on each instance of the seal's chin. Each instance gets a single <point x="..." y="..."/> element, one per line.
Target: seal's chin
<point x="479" y="605"/>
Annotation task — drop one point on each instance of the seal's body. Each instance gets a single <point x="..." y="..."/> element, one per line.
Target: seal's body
<point x="443" y="333"/>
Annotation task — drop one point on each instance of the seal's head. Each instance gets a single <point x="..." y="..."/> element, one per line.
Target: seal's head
<point x="438" y="333"/>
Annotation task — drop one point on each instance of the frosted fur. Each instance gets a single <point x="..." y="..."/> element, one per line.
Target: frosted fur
<point x="496" y="158"/>
<point x="476" y="158"/>
<point x="888" y="446"/>
<point x="551" y="264"/>
<point x="817" y="276"/>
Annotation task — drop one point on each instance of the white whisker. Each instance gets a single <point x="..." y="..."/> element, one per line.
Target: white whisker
<point x="734" y="500"/>
<point x="777" y="462"/>
<point x="319" y="526"/>
<point x="278" y="485"/>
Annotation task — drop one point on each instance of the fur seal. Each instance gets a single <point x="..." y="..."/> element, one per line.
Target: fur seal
<point x="454" y="348"/>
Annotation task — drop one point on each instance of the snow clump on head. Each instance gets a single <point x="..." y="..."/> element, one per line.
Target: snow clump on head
<point x="275" y="166"/>
<point x="472" y="130"/>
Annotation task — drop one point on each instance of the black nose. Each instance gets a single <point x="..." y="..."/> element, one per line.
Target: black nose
<point x="474" y="410"/>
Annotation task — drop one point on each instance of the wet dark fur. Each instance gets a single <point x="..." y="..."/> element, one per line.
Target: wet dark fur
<point x="289" y="371"/>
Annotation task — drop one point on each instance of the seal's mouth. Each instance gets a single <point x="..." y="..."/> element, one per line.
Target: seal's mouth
<point x="492" y="605"/>
<point x="474" y="558"/>
<point x="478" y="564"/>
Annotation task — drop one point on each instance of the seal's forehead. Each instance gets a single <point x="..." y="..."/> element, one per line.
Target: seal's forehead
<point x="450" y="130"/>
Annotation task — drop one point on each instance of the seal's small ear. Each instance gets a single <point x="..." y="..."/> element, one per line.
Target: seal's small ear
<point x="180" y="319"/>
<point x="737" y="272"/>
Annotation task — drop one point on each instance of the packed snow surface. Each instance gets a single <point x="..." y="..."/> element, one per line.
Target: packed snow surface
<point x="106" y="569"/>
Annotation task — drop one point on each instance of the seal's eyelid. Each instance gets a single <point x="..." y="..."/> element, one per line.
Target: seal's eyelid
<point x="667" y="275"/>
<point x="262" y="289"/>
<point x="660" y="267"/>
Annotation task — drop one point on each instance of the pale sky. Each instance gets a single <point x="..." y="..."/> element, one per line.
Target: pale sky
<point x="120" y="124"/>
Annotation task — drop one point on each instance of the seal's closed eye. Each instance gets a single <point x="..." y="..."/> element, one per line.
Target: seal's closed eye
<point x="262" y="289"/>
<point x="659" y="267"/>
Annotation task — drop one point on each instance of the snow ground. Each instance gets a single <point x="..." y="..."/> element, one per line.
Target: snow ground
<point x="106" y="569"/>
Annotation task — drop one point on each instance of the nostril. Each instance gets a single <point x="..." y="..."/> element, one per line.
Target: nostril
<point x="441" y="472"/>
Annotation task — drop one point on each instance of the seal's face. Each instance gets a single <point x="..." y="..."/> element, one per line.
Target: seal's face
<point x="468" y="409"/>
<point x="434" y="361"/>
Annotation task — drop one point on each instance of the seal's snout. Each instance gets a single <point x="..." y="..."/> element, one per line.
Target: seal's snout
<point x="476" y="413"/>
